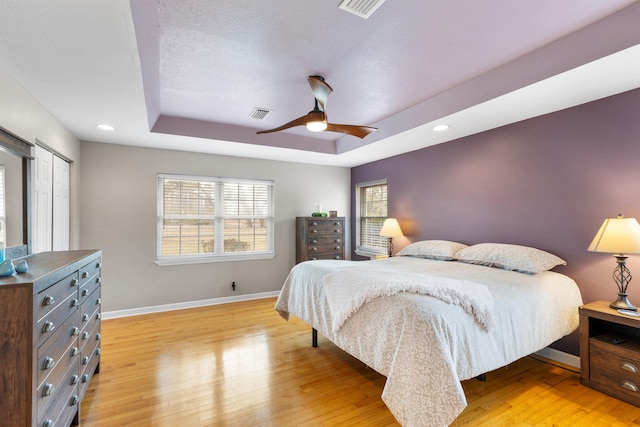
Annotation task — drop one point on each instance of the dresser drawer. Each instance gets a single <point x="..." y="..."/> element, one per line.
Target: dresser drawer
<point x="45" y="327"/>
<point x="324" y="227"/>
<point x="89" y="286"/>
<point x="62" y="374"/>
<point x="54" y="352"/>
<point x="90" y="311"/>
<point x="50" y="298"/>
<point x="88" y="271"/>
<point x="91" y="358"/>
<point x="65" y="402"/>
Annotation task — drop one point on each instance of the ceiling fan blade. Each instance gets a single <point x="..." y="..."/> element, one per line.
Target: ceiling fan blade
<point x="320" y="89"/>
<point x="354" y="130"/>
<point x="300" y="121"/>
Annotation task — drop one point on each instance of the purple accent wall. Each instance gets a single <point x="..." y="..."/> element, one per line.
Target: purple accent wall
<point x="546" y="182"/>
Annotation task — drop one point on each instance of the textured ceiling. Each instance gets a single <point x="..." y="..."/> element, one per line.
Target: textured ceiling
<point x="186" y="75"/>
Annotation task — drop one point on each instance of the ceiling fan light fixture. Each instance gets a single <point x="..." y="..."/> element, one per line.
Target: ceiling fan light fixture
<point x="316" y="126"/>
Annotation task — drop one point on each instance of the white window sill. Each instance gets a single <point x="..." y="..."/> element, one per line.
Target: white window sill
<point x="215" y="258"/>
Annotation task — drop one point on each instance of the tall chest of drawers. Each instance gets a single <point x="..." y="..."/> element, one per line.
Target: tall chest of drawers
<point x="319" y="238"/>
<point x="49" y="338"/>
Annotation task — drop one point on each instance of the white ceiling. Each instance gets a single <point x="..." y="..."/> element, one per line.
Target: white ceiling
<point x="186" y="74"/>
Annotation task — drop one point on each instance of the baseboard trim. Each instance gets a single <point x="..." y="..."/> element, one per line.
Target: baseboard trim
<point x="184" y="305"/>
<point x="560" y="356"/>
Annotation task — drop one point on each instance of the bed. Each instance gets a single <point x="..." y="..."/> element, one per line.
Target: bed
<point x="433" y="320"/>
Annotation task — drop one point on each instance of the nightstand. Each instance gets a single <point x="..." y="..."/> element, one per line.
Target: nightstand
<point x="610" y="351"/>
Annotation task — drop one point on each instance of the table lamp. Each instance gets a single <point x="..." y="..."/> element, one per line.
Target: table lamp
<point x="390" y="228"/>
<point x="619" y="236"/>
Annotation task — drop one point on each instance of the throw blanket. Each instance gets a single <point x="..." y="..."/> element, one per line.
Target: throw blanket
<point x="348" y="290"/>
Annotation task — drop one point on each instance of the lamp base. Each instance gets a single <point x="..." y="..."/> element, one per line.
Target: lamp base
<point x="623" y="303"/>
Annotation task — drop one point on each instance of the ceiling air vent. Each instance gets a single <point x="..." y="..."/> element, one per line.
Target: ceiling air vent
<point x="259" y="113"/>
<point x="362" y="8"/>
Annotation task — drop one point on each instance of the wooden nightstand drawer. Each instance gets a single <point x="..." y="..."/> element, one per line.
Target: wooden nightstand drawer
<point x="610" y="352"/>
<point x="615" y="372"/>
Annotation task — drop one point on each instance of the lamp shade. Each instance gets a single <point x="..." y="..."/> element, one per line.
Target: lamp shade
<point x="617" y="236"/>
<point x="390" y="228"/>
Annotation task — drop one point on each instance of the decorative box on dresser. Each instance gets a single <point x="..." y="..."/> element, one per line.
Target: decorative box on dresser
<point x="49" y="338"/>
<point x="610" y="351"/>
<point x="319" y="238"/>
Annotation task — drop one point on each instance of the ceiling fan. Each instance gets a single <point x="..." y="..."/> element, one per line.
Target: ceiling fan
<point x="316" y="119"/>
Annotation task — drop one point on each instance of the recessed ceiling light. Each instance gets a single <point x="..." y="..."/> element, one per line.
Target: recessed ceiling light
<point x="440" y="128"/>
<point x="105" y="127"/>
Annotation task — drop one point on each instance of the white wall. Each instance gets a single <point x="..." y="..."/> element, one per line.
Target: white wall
<point x="118" y="211"/>
<point x="23" y="115"/>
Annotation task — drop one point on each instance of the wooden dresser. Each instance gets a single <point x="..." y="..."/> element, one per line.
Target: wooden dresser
<point x="610" y="351"/>
<point x="49" y="338"/>
<point x="319" y="238"/>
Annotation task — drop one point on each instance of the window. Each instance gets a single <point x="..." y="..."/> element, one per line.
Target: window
<point x="371" y="211"/>
<point x="205" y="219"/>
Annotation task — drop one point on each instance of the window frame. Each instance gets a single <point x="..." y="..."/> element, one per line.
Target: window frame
<point x="369" y="251"/>
<point x="218" y="218"/>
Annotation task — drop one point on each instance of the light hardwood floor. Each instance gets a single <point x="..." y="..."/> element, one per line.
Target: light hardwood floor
<point x="241" y="364"/>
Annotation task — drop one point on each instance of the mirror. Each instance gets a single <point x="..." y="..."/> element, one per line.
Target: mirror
<point x="15" y="162"/>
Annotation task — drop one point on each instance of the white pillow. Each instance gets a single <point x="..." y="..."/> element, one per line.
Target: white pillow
<point x="510" y="257"/>
<point x="433" y="249"/>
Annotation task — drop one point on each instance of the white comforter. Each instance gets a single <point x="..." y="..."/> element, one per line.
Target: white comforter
<point x="426" y="346"/>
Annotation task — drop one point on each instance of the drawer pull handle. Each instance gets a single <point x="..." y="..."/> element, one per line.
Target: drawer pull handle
<point x="85" y="335"/>
<point x="48" y="389"/>
<point x="48" y="363"/>
<point x="99" y="280"/>
<point x="314" y="249"/>
<point x="75" y="302"/>
<point x="85" y="274"/>
<point x="314" y="231"/>
<point x="98" y="315"/>
<point x="74" y="351"/>
<point x="337" y="240"/>
<point x="628" y="385"/>
<point x="48" y="423"/>
<point x="337" y="256"/>
<point x="85" y="317"/>
<point x="74" y="282"/>
<point x="74" y="379"/>
<point x="75" y="331"/>
<point x="314" y="241"/>
<point x="85" y="360"/>
<point x="314" y="224"/>
<point x="74" y="400"/>
<point x="337" y="230"/>
<point x="98" y="264"/>
<point x="313" y="259"/>
<point x="337" y="248"/>
<point x="98" y="301"/>
<point x="48" y="300"/>
<point x="98" y="337"/>
<point x="85" y="378"/>
<point x="48" y="327"/>
<point x="85" y="292"/>
<point x="629" y="367"/>
<point x="98" y="351"/>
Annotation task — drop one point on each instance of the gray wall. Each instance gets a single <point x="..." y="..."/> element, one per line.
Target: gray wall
<point x="118" y="211"/>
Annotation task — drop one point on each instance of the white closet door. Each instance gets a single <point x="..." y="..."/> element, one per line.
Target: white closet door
<point x="42" y="200"/>
<point x="60" y="204"/>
